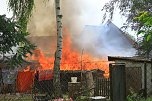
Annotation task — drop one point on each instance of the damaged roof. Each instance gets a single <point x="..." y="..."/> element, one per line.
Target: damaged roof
<point x="135" y="59"/>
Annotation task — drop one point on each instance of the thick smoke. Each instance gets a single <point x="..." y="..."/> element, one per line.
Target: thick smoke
<point x="99" y="40"/>
<point x="42" y="22"/>
<point x="76" y="14"/>
<point x="104" y="40"/>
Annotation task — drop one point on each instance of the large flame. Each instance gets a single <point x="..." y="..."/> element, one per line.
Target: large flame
<point x="71" y="59"/>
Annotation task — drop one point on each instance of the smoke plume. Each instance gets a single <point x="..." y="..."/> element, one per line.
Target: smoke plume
<point x="76" y="14"/>
<point x="97" y="40"/>
<point x="106" y="39"/>
<point x="42" y="22"/>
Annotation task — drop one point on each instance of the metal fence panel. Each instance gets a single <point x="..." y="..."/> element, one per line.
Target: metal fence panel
<point x="117" y="77"/>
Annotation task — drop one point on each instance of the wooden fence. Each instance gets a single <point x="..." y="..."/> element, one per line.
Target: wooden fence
<point x="102" y="87"/>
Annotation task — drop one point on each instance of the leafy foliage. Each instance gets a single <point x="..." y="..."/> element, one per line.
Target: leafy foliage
<point x="22" y="10"/>
<point x="138" y="13"/>
<point x="13" y="32"/>
<point x="12" y="35"/>
<point x="137" y="97"/>
<point x="128" y="8"/>
<point x="133" y="96"/>
<point x="145" y="44"/>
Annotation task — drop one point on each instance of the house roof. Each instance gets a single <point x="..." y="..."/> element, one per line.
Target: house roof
<point x="134" y="59"/>
<point x="46" y="43"/>
<point x="122" y="34"/>
<point x="108" y="39"/>
<point x="126" y="35"/>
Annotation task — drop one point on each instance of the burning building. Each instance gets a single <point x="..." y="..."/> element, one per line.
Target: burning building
<point x="88" y="51"/>
<point x="84" y="52"/>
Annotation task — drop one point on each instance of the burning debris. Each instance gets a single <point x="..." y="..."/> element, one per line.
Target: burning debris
<point x="106" y="40"/>
<point x="71" y="59"/>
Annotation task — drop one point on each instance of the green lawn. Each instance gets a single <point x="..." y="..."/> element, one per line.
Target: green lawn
<point x="148" y="99"/>
<point x="7" y="97"/>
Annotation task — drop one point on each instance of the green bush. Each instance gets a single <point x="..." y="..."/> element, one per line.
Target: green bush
<point x="136" y="97"/>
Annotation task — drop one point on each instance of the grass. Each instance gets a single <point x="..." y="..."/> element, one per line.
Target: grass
<point x="28" y="97"/>
<point x="148" y="99"/>
<point x="139" y="99"/>
<point x="8" y="97"/>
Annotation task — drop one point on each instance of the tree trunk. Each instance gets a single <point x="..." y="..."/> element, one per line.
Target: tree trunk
<point x="90" y="83"/>
<point x="58" y="53"/>
<point x="1" y="80"/>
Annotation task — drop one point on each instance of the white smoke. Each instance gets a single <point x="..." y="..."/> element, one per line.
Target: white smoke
<point x="104" y="40"/>
<point x="99" y="40"/>
<point x="76" y="14"/>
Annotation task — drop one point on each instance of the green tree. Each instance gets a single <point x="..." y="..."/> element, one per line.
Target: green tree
<point x="145" y="43"/>
<point x="58" y="53"/>
<point x="138" y="13"/>
<point x="22" y="9"/>
<point x="12" y="35"/>
<point x="128" y="8"/>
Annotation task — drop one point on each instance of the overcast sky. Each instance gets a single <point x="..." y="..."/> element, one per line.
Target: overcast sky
<point x="3" y="8"/>
<point x="93" y="12"/>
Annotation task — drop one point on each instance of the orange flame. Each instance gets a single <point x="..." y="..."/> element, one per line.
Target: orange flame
<point x="27" y="69"/>
<point x="71" y="59"/>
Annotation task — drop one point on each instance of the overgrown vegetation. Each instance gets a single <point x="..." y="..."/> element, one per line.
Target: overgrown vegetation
<point x="133" y="96"/>
<point x="22" y="10"/>
<point x="148" y="99"/>
<point x="138" y="13"/>
<point x="13" y="35"/>
<point x="25" y="97"/>
<point x="145" y="31"/>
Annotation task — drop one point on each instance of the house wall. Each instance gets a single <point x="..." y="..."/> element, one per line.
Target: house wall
<point x="132" y="64"/>
<point x="47" y="44"/>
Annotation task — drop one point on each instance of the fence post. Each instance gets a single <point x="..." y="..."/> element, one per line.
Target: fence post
<point x="96" y="92"/>
<point x="118" y="82"/>
<point x="1" y="80"/>
<point x="145" y="80"/>
<point x="110" y="75"/>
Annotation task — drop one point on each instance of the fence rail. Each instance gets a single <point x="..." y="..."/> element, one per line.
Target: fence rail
<point x="102" y="87"/>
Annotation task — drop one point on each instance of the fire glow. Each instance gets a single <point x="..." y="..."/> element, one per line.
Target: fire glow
<point x="71" y="59"/>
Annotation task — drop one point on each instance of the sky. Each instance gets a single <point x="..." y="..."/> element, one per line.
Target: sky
<point x="4" y="8"/>
<point x="84" y="12"/>
<point x="93" y="12"/>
